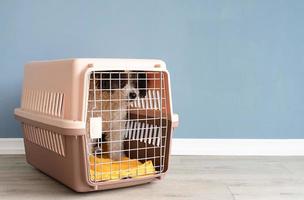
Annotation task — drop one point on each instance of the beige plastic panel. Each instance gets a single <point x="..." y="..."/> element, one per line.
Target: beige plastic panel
<point x="66" y="77"/>
<point x="43" y="102"/>
<point x="45" y="138"/>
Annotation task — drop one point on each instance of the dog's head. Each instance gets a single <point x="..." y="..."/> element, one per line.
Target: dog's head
<point x="132" y="85"/>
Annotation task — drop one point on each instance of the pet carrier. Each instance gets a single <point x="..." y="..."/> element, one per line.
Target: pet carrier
<point x="96" y="124"/>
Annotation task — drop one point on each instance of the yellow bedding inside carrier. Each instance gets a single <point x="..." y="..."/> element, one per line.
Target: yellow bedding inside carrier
<point x="103" y="169"/>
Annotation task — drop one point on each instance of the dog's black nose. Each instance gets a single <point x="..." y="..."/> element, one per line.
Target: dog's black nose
<point x="132" y="95"/>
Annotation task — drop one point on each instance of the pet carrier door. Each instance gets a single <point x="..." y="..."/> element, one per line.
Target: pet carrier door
<point x="127" y="123"/>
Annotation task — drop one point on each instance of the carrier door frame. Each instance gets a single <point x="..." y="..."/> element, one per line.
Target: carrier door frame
<point x="91" y="68"/>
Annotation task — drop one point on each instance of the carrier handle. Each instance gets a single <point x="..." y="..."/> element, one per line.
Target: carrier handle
<point x="175" y="120"/>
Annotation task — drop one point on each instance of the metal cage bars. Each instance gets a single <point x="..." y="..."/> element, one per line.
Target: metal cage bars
<point x="144" y="127"/>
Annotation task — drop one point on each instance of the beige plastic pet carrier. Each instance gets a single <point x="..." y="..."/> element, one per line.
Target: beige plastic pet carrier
<point x="96" y="124"/>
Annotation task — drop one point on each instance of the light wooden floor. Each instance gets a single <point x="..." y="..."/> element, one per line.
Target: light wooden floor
<point x="189" y="177"/>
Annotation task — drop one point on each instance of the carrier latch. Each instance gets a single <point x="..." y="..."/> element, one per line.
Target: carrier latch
<point x="175" y="120"/>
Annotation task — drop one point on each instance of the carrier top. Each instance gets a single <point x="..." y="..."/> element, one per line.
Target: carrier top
<point x="108" y="63"/>
<point x="67" y="80"/>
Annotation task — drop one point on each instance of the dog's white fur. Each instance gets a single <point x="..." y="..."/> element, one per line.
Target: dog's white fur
<point x="114" y="117"/>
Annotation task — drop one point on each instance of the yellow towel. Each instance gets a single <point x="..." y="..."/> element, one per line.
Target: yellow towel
<point x="101" y="169"/>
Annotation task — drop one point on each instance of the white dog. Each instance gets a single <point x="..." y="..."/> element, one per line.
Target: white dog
<point x="114" y="92"/>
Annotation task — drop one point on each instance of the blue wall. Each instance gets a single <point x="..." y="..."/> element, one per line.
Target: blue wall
<point x="237" y="66"/>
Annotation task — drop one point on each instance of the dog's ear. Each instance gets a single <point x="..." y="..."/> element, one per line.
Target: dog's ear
<point x="123" y="79"/>
<point x="142" y="84"/>
<point x="111" y="80"/>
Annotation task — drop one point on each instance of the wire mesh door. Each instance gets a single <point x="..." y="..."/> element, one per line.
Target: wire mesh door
<point x="127" y="124"/>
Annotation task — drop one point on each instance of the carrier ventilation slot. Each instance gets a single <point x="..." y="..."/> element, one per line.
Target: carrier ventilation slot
<point x="151" y="101"/>
<point x="44" y="138"/>
<point x="43" y="102"/>
<point x="143" y="132"/>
